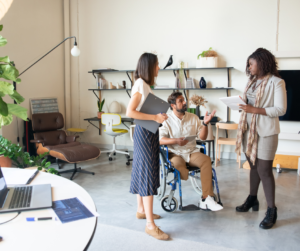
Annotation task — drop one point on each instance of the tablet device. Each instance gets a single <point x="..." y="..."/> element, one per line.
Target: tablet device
<point x="190" y="138"/>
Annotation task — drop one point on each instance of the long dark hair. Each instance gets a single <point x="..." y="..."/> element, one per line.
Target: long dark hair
<point x="266" y="63"/>
<point x="145" y="68"/>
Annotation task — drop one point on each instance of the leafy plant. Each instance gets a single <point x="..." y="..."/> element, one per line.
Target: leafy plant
<point x="9" y="72"/>
<point x="23" y="159"/>
<point x="208" y="53"/>
<point x="100" y="105"/>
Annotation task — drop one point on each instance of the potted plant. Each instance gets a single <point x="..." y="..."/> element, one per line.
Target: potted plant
<point x="100" y="107"/>
<point x="198" y="101"/>
<point x="7" y="110"/>
<point x="23" y="159"/>
<point x="207" y="59"/>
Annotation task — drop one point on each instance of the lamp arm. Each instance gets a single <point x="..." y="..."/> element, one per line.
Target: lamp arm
<point x="75" y="43"/>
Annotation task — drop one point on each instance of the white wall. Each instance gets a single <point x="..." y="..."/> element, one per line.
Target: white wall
<point x="32" y="28"/>
<point x="115" y="33"/>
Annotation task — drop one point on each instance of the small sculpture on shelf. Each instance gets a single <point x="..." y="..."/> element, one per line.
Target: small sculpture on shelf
<point x="124" y="84"/>
<point x="170" y="62"/>
<point x="119" y="86"/>
<point x="198" y="101"/>
<point x="115" y="107"/>
<point x="111" y="86"/>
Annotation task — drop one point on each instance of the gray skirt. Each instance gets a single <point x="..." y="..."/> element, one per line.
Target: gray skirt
<point x="266" y="147"/>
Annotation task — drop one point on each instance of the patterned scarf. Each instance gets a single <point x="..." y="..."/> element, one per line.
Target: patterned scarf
<point x="253" y="136"/>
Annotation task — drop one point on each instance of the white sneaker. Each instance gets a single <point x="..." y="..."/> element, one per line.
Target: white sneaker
<point x="210" y="205"/>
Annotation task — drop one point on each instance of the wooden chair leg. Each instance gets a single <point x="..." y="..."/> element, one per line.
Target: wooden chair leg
<point x="216" y="161"/>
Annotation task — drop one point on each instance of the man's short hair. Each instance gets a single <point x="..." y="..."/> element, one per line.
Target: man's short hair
<point x="172" y="98"/>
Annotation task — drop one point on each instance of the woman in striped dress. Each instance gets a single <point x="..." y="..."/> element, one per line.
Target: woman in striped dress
<point x="145" y="169"/>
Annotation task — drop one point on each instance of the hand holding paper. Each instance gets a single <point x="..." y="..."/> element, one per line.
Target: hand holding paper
<point x="233" y="102"/>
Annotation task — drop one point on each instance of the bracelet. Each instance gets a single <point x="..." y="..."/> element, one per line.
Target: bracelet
<point x="204" y="123"/>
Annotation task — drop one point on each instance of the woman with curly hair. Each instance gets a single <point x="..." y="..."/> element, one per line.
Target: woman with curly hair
<point x="265" y="98"/>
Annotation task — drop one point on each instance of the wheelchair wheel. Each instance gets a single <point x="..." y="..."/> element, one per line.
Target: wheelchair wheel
<point x="173" y="205"/>
<point x="196" y="183"/>
<point x="162" y="181"/>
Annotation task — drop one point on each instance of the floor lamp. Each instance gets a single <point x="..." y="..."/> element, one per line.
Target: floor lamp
<point x="74" y="51"/>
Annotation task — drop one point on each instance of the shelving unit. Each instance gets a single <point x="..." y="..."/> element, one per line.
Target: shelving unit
<point x="130" y="73"/>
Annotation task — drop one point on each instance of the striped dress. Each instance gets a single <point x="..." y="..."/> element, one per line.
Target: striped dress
<point x="145" y="168"/>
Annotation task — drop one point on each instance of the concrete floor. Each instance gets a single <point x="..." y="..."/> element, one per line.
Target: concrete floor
<point x="224" y="230"/>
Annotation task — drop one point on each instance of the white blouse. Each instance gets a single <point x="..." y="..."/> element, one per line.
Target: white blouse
<point x="143" y="88"/>
<point x="173" y="127"/>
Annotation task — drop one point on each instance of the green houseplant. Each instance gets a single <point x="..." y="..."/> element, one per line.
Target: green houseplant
<point x="23" y="159"/>
<point x="100" y="107"/>
<point x="9" y="72"/>
<point x="7" y="110"/>
<point x="9" y="150"/>
<point x="207" y="59"/>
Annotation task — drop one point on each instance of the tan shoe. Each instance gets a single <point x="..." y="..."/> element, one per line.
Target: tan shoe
<point x="157" y="233"/>
<point x="143" y="216"/>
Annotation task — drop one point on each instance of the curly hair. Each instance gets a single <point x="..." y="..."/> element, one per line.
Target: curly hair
<point x="266" y="63"/>
<point x="172" y="98"/>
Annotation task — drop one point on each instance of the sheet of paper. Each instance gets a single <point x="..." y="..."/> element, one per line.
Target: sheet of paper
<point x="233" y="102"/>
<point x="72" y="209"/>
<point x="13" y="176"/>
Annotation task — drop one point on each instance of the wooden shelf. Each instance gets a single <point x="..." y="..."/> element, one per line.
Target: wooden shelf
<point x="169" y="69"/>
<point x="185" y="90"/>
<point x="166" y="89"/>
<point x="109" y="89"/>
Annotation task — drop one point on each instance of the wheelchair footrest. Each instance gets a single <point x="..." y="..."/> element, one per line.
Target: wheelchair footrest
<point x="190" y="207"/>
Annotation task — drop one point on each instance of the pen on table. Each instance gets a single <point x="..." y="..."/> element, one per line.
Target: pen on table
<point x="40" y="218"/>
<point x="32" y="177"/>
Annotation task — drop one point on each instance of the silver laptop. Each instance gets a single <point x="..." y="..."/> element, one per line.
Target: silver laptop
<point x="21" y="198"/>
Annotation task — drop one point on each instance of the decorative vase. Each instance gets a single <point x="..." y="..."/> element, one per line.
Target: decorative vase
<point x="99" y="114"/>
<point x="202" y="83"/>
<point x="5" y="161"/>
<point x="198" y="111"/>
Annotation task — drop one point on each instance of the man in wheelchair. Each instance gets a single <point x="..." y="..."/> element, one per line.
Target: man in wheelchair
<point x="181" y="124"/>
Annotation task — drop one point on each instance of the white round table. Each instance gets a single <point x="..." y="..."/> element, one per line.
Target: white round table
<point x="19" y="234"/>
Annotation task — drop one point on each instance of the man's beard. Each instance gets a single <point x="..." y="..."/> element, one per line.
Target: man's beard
<point x="182" y="110"/>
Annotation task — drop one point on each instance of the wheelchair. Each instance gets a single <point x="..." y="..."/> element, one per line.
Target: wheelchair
<point x="168" y="202"/>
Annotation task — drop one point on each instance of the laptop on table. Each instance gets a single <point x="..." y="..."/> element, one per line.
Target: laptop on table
<point x="22" y="198"/>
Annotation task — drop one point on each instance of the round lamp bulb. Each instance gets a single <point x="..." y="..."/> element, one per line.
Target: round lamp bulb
<point x="4" y="6"/>
<point x="75" y="51"/>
